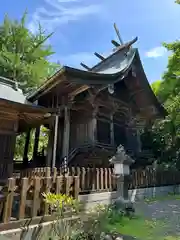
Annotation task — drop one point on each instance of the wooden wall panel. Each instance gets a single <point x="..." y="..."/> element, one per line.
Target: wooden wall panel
<point x="81" y="131"/>
<point x="103" y="132"/>
<point x="7" y="143"/>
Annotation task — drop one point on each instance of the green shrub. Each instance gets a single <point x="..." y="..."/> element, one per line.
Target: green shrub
<point x="61" y="203"/>
<point x="92" y="227"/>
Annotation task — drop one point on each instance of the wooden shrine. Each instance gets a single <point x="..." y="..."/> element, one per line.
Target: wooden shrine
<point x="16" y="115"/>
<point x="97" y="109"/>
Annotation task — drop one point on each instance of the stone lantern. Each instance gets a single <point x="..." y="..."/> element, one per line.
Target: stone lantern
<point x="122" y="164"/>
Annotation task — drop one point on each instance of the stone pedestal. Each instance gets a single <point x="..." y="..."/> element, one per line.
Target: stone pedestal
<point x="121" y="163"/>
<point x="122" y="186"/>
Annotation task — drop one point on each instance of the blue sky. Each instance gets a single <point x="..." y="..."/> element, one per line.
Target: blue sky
<point x="82" y="27"/>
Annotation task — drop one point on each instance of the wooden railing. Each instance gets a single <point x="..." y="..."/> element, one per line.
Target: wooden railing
<point x="22" y="197"/>
<point x="103" y="179"/>
<point x="75" y="150"/>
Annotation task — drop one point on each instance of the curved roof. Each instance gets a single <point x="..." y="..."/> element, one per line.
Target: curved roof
<point x="12" y="100"/>
<point x="98" y="76"/>
<point x="109" y="71"/>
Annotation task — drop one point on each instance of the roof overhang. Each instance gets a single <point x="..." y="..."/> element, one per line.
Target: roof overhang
<point x="81" y="77"/>
<point x="25" y="114"/>
<point x="82" y="80"/>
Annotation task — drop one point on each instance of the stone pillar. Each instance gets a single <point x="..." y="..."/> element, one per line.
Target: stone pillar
<point x="121" y="163"/>
<point x="122" y="186"/>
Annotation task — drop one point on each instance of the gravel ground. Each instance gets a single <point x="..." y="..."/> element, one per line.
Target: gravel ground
<point x="167" y="211"/>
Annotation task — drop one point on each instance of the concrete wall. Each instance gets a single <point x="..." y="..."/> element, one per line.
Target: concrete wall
<point x="32" y="232"/>
<point x="27" y="233"/>
<point x="91" y="200"/>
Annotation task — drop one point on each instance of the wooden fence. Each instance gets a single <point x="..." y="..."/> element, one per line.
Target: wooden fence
<point x="22" y="197"/>
<point x="102" y="179"/>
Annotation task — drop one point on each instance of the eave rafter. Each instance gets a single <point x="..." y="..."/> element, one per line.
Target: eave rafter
<point x="77" y="91"/>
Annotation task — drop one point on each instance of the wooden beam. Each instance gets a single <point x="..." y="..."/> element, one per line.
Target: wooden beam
<point x="78" y="91"/>
<point x="66" y="134"/>
<point x="36" y="143"/>
<point x="85" y="66"/>
<point x="118" y="34"/>
<point x="26" y="148"/>
<point x="55" y="141"/>
<point x="7" y="132"/>
<point x="112" y="129"/>
<point x="99" y="56"/>
<point x="94" y="124"/>
<point x="116" y="44"/>
<point x="49" y="148"/>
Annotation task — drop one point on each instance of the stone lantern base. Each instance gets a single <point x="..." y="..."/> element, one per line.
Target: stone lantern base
<point x="123" y="203"/>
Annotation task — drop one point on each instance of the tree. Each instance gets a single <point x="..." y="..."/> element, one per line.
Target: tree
<point x="20" y="143"/>
<point x="24" y="55"/>
<point x="155" y="86"/>
<point x="24" y="58"/>
<point x="164" y="136"/>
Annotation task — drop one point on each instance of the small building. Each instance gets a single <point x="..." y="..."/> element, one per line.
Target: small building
<point x="97" y="109"/>
<point x="16" y="115"/>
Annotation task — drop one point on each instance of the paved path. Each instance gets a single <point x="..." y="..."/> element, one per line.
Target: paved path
<point x="167" y="211"/>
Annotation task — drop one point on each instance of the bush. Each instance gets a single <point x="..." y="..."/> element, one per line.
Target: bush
<point x="94" y="226"/>
<point x="61" y="204"/>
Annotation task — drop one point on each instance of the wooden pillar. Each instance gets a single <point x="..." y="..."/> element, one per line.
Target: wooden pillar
<point x="139" y="139"/>
<point x="112" y="129"/>
<point x="36" y="143"/>
<point x="26" y="147"/>
<point x="55" y="140"/>
<point x="49" y="149"/>
<point x="94" y="125"/>
<point x="66" y="134"/>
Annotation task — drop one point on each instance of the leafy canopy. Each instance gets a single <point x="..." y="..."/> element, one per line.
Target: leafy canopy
<point x="24" y="58"/>
<point x="24" y="55"/>
<point x="163" y="139"/>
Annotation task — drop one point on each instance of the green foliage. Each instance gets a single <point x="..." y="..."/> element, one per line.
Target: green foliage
<point x="170" y="85"/>
<point x="24" y="55"/>
<point x="24" y="58"/>
<point x="20" y="143"/>
<point x="61" y="203"/>
<point x="96" y="222"/>
<point x="164" y="136"/>
<point x="155" y="86"/>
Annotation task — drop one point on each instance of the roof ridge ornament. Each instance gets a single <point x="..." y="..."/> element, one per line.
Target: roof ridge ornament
<point x="118" y="34"/>
<point x="111" y="88"/>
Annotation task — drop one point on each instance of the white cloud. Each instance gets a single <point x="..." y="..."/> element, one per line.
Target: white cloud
<point x="74" y="60"/>
<point x="156" y="52"/>
<point x="57" y="12"/>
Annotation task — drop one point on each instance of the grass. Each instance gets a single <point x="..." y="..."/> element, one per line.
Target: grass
<point x="140" y="228"/>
